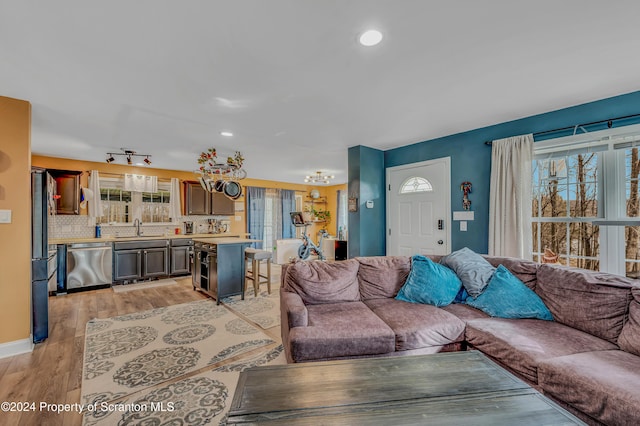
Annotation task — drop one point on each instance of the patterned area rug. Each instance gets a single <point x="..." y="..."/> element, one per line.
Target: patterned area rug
<point x="200" y="399"/>
<point x="263" y="309"/>
<point x="132" y="352"/>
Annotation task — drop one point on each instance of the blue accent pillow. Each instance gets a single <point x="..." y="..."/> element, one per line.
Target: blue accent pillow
<point x="461" y="296"/>
<point x="429" y="283"/>
<point x="507" y="297"/>
<point x="473" y="270"/>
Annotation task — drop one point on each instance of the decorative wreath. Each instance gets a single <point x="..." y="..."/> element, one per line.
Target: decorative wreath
<point x="209" y="165"/>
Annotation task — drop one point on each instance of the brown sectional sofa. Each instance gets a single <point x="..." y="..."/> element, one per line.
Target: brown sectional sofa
<point x="588" y="359"/>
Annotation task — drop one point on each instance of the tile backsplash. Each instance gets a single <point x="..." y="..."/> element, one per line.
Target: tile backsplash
<point x="74" y="226"/>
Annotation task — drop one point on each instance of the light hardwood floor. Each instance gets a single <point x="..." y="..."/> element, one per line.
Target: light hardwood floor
<point x="52" y="373"/>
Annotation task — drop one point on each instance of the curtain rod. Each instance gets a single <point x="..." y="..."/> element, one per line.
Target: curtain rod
<point x="609" y="122"/>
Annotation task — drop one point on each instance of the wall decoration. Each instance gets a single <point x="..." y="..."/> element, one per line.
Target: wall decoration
<point x="353" y="204"/>
<point x="465" y="187"/>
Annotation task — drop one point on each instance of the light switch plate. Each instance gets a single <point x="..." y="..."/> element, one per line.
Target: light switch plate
<point x="463" y="225"/>
<point x="463" y="215"/>
<point x="5" y="216"/>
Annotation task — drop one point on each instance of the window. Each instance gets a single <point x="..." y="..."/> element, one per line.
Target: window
<point x="632" y="204"/>
<point x="565" y="201"/>
<point x="586" y="201"/>
<point x="343" y="214"/>
<point x="415" y="184"/>
<point x="120" y="206"/>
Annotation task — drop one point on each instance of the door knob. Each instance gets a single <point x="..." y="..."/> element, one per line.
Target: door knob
<point x="440" y="242"/>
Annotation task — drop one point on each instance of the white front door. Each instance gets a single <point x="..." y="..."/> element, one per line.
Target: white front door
<point x="419" y="208"/>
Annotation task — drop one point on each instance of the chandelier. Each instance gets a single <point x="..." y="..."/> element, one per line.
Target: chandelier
<point x="318" y="178"/>
<point x="221" y="176"/>
<point x="130" y="156"/>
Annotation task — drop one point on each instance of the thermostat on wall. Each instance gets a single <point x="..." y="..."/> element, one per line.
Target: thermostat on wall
<point x="5" y="216"/>
<point x="369" y="204"/>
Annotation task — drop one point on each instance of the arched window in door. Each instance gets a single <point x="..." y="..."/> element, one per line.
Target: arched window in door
<point x="415" y="184"/>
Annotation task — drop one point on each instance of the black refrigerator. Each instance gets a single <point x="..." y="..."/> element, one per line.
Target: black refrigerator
<point x="43" y="256"/>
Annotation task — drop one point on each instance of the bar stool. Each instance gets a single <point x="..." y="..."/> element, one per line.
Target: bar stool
<point x="256" y="257"/>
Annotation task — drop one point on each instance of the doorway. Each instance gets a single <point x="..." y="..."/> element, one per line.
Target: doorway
<point x="419" y="208"/>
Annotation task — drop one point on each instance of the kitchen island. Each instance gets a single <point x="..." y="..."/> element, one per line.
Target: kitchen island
<point x="218" y="267"/>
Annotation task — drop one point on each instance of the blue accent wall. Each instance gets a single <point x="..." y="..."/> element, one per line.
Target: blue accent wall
<point x="366" y="182"/>
<point x="471" y="158"/>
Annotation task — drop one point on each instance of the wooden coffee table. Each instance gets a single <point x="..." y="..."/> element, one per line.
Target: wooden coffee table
<point x="442" y="389"/>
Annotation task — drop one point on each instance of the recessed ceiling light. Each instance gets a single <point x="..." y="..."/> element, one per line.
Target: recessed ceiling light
<point x="370" y="38"/>
<point x="226" y="133"/>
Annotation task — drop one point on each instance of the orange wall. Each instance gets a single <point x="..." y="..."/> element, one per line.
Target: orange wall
<point x="15" y="241"/>
<point x="331" y="192"/>
<point x="236" y="225"/>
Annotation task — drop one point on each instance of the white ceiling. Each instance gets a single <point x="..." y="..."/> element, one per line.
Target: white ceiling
<point x="289" y="78"/>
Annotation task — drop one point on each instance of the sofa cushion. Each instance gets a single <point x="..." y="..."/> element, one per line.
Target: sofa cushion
<point x="324" y="282"/>
<point x="507" y="297"/>
<point x="340" y="330"/>
<point x="465" y="312"/>
<point x="472" y="269"/>
<point x="629" y="339"/>
<point x="522" y="344"/>
<point x="590" y="301"/>
<point x="602" y="384"/>
<point x="429" y="283"/>
<point x="416" y="325"/>
<point x="382" y="276"/>
<point x="525" y="270"/>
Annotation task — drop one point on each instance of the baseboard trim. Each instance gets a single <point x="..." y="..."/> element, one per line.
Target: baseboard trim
<point x="16" y="347"/>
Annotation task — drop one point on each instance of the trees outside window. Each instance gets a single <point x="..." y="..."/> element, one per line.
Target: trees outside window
<point x="585" y="207"/>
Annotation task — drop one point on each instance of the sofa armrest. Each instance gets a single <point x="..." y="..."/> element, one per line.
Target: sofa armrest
<point x="294" y="312"/>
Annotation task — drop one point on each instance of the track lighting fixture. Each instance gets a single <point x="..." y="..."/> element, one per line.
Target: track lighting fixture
<point x="130" y="155"/>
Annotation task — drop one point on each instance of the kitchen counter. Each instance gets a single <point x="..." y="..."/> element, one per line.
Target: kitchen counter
<point x="227" y="239"/>
<point x="108" y="239"/>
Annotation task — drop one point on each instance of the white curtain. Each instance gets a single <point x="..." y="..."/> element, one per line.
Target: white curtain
<point x="175" y="211"/>
<point x="510" y="197"/>
<point x="140" y="183"/>
<point x="92" y="197"/>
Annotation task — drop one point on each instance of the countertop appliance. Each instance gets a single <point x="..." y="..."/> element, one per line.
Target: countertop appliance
<point x="188" y="227"/>
<point x="43" y="257"/>
<point x="88" y="265"/>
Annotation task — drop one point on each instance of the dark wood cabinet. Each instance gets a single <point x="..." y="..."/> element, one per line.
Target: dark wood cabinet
<point x="197" y="200"/>
<point x="201" y="202"/>
<point x="67" y="191"/>
<point x="155" y="261"/>
<point x="127" y="265"/>
<point x="221" y="204"/>
<point x="135" y="260"/>
<point x="181" y="256"/>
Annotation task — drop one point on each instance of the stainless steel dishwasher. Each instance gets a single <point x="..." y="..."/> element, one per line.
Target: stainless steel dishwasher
<point x="88" y="264"/>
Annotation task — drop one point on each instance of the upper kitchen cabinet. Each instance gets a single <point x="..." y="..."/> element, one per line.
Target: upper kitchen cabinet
<point x="198" y="201"/>
<point x="221" y="204"/>
<point x="67" y="193"/>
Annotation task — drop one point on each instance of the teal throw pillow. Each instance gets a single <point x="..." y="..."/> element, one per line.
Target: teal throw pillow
<point x="507" y="297"/>
<point x="429" y="283"/>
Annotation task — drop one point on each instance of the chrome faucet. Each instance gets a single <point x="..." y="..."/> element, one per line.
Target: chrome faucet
<point x="136" y="224"/>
